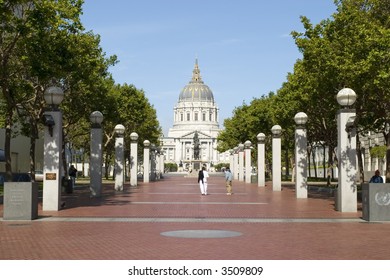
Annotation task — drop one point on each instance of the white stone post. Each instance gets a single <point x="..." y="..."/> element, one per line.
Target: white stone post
<point x="153" y="162"/>
<point x="276" y="158"/>
<point x="235" y="158"/>
<point x="52" y="163"/>
<point x="231" y="159"/>
<point x="95" y="160"/>
<point x="300" y="156"/>
<point x="261" y="160"/>
<point x="241" y="162"/>
<point x="119" y="157"/>
<point x="248" y="161"/>
<point x="346" y="152"/>
<point x="133" y="159"/>
<point x="162" y="161"/>
<point x="146" y="161"/>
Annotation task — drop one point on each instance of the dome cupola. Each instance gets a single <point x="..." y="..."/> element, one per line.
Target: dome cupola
<point x="196" y="90"/>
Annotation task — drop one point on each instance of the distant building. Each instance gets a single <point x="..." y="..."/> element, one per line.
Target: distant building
<point x="196" y="113"/>
<point x="20" y="153"/>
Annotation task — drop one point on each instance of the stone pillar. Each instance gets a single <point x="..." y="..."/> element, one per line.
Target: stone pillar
<point x="231" y="159"/>
<point x="153" y="160"/>
<point x="261" y="160"/>
<point x="119" y="157"/>
<point x="146" y="161"/>
<point x="95" y="161"/>
<point x="300" y="156"/>
<point x="235" y="158"/>
<point x="162" y="163"/>
<point x="52" y="163"/>
<point x="276" y="158"/>
<point x="248" y="161"/>
<point x="241" y="162"/>
<point x="134" y="159"/>
<point x="346" y="152"/>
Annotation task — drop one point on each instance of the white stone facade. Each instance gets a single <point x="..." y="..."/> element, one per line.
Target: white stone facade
<point x="195" y="112"/>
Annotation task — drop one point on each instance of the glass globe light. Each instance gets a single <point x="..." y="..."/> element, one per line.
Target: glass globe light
<point x="261" y="137"/>
<point x="119" y="130"/>
<point x="54" y="95"/>
<point x="346" y="97"/>
<point x="300" y="118"/>
<point x="276" y="130"/>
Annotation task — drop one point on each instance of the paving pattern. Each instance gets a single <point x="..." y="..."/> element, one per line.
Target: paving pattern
<point x="169" y="219"/>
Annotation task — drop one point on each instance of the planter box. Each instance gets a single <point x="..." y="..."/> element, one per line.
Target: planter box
<point x="20" y="201"/>
<point x="376" y="202"/>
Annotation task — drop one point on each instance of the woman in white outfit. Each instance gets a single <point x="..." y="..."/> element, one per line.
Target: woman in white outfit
<point x="203" y="182"/>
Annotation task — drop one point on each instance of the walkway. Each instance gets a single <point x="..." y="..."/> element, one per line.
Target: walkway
<point x="169" y="219"/>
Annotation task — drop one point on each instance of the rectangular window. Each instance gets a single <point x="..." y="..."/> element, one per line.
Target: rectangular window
<point x="196" y="116"/>
<point x="188" y="117"/>
<point x="204" y="117"/>
<point x="181" y="117"/>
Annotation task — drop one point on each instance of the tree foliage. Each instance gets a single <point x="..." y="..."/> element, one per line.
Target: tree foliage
<point x="44" y="43"/>
<point x="350" y="49"/>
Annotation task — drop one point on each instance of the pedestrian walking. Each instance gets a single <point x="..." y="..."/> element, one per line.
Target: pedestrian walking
<point x="202" y="180"/>
<point x="229" y="179"/>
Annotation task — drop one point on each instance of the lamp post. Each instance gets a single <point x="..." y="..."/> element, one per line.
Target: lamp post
<point x="248" y="162"/>
<point x="346" y="152"/>
<point x="276" y="158"/>
<point x="119" y="157"/>
<point x="241" y="162"/>
<point x="235" y="160"/>
<point x="133" y="158"/>
<point x="261" y="160"/>
<point x="146" y="160"/>
<point x="52" y="164"/>
<point x="95" y="161"/>
<point x="300" y="155"/>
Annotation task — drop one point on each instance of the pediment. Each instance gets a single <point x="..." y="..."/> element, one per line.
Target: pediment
<point x="190" y="135"/>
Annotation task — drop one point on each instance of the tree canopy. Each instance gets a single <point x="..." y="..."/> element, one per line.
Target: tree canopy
<point x="350" y="49"/>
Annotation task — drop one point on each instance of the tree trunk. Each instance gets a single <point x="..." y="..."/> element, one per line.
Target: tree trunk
<point x="359" y="158"/>
<point x="7" y="146"/>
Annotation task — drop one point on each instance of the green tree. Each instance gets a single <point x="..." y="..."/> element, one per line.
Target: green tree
<point x="45" y="42"/>
<point x="352" y="50"/>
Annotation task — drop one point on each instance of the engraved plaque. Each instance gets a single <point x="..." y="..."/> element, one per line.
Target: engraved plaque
<point x="51" y="176"/>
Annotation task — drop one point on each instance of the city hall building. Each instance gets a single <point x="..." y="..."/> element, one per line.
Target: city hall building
<point x="195" y="116"/>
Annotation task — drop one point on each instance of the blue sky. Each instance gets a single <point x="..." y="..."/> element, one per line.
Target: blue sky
<point x="243" y="47"/>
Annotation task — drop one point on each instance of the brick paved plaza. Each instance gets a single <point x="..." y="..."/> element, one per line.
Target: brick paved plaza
<point x="169" y="219"/>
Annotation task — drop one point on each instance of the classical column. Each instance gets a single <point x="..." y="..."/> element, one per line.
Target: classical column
<point x="146" y="160"/>
<point x="346" y="152"/>
<point x="119" y="157"/>
<point x="276" y="158"/>
<point x="261" y="160"/>
<point x="133" y="158"/>
<point x="300" y="155"/>
<point x="52" y="163"/>
<point x="248" y="161"/>
<point x="241" y="162"/>
<point x="95" y="160"/>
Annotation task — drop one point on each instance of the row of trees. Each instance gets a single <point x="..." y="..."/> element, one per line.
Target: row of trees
<point x="350" y="49"/>
<point x="44" y="43"/>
